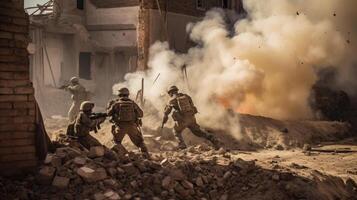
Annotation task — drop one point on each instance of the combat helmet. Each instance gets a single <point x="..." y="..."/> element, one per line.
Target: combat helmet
<point x="74" y="80"/>
<point x="87" y="106"/>
<point x="123" y="91"/>
<point x="172" y="89"/>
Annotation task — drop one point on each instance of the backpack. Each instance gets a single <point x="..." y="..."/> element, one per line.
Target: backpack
<point x="185" y="104"/>
<point x="126" y="111"/>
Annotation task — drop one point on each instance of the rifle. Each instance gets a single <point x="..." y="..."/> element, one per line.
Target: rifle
<point x="95" y="116"/>
<point x="63" y="87"/>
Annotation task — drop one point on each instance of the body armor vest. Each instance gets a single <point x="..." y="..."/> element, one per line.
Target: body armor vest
<point x="184" y="104"/>
<point x="126" y="112"/>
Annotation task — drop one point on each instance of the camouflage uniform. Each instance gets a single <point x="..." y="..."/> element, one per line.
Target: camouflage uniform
<point x="184" y="117"/>
<point x="83" y="125"/>
<point x="79" y="95"/>
<point x="126" y="115"/>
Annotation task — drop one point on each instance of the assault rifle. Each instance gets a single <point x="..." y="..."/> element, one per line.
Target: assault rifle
<point x="95" y="116"/>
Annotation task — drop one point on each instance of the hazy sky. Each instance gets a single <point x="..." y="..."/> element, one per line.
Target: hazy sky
<point x="29" y="3"/>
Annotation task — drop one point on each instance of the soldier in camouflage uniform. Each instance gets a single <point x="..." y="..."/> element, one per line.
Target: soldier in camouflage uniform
<point x="126" y="116"/>
<point x="84" y="124"/>
<point x="79" y="95"/>
<point x="184" y="117"/>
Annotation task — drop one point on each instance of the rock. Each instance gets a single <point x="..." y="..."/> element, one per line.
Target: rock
<point x="56" y="161"/>
<point x="351" y="185"/>
<point x="45" y="175"/>
<point x="221" y="151"/>
<point x="306" y="147"/>
<point x="134" y="184"/>
<point x="110" y="182"/>
<point x="112" y="172"/>
<point x="96" y="152"/>
<point x="279" y="147"/>
<point x="128" y="196"/>
<point x="224" y="197"/>
<point x="227" y="175"/>
<point x="187" y="184"/>
<point x="176" y="174"/>
<point x="85" y="172"/>
<point x="60" y="182"/>
<point x="182" y="191"/>
<point x="111" y="195"/>
<point x="168" y="146"/>
<point x="90" y="175"/>
<point x="99" y="196"/>
<point x="130" y="169"/>
<point x="199" y="182"/>
<point x="79" y="161"/>
<point x="166" y="182"/>
<point x="100" y="174"/>
<point x="164" y="162"/>
<point x="276" y="177"/>
<point x="48" y="159"/>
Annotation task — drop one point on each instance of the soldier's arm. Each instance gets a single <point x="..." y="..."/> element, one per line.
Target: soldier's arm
<point x="72" y="89"/>
<point x="88" y="122"/>
<point x="167" y="112"/>
<point x="110" y="110"/>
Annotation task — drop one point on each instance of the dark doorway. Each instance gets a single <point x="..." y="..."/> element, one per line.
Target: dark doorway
<point x="225" y="4"/>
<point x="85" y="65"/>
<point x="80" y="4"/>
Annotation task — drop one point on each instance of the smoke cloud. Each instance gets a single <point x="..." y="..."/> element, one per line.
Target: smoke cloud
<point x="266" y="67"/>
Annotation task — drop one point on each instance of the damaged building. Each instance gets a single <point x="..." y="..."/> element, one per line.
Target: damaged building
<point x="101" y="40"/>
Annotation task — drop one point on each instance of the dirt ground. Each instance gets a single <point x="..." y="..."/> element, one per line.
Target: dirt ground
<point x="273" y="144"/>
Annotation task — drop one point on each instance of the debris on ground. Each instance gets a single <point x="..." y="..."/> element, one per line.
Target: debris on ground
<point x="198" y="172"/>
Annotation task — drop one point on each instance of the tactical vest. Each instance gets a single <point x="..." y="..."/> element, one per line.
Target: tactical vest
<point x="184" y="104"/>
<point x="126" y="111"/>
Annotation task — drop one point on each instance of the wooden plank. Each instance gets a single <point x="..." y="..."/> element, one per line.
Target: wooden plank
<point x="115" y="3"/>
<point x="111" y="27"/>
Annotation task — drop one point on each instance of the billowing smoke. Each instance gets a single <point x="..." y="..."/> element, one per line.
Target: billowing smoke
<point x="266" y="68"/>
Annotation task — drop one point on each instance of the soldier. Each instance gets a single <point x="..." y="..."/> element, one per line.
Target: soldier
<point x="184" y="117"/>
<point x="126" y="116"/>
<point x="84" y="124"/>
<point x="79" y="95"/>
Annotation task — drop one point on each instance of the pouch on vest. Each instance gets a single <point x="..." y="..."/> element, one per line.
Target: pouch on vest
<point x="70" y="130"/>
<point x="185" y="104"/>
<point x="126" y="111"/>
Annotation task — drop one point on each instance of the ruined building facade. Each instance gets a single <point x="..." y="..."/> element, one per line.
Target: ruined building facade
<point x="101" y="40"/>
<point x="17" y="104"/>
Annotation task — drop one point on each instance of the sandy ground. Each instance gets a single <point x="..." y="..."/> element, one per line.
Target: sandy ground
<point x="342" y="165"/>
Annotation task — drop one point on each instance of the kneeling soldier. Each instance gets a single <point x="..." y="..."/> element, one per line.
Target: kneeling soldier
<point x="84" y="124"/>
<point x="126" y="116"/>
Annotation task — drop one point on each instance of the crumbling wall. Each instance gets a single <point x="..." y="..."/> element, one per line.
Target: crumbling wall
<point x="160" y="20"/>
<point x="17" y="103"/>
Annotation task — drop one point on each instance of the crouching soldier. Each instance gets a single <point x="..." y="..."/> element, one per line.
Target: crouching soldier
<point x="84" y="124"/>
<point x="126" y="117"/>
<point x="184" y="117"/>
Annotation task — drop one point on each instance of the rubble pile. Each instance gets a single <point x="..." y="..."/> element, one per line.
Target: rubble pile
<point x="198" y="172"/>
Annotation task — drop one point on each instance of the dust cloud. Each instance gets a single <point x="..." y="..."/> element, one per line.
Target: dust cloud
<point x="266" y="67"/>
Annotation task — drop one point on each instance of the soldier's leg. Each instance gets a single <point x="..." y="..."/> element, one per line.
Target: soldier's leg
<point x="71" y="113"/>
<point x="178" y="128"/>
<point x="136" y="137"/>
<point x="196" y="130"/>
<point x="118" y="136"/>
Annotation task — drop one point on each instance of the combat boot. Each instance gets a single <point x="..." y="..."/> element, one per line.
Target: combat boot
<point x="215" y="143"/>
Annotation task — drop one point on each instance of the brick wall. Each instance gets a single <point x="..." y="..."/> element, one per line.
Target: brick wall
<point x="17" y="105"/>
